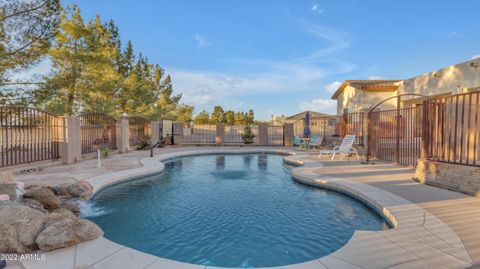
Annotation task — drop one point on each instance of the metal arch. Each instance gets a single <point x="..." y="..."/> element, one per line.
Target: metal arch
<point x="397" y="134"/>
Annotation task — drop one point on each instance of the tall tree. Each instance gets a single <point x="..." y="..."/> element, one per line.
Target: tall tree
<point x="26" y="27"/>
<point x="202" y="118"/>
<point x="230" y="117"/>
<point x="217" y="115"/>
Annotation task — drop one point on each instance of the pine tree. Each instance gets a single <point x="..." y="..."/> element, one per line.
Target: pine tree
<point x="202" y="118"/>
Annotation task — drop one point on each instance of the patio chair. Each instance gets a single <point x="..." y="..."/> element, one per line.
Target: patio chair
<point x="297" y="141"/>
<point x="315" y="142"/>
<point x="344" y="149"/>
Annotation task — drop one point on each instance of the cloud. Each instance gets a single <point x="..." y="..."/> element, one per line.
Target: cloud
<point x="337" y="40"/>
<point x="319" y="105"/>
<point x="295" y="74"/>
<point x="475" y="56"/>
<point x="332" y="87"/>
<point x="316" y="8"/>
<point x="201" y="41"/>
<point x="456" y="34"/>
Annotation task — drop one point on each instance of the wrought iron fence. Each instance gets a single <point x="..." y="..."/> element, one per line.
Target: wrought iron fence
<point x="275" y="135"/>
<point x="138" y="128"/>
<point x="396" y="135"/>
<point x="199" y="134"/>
<point x="28" y="135"/>
<point x="354" y="124"/>
<point x="233" y="134"/>
<point x="98" y="131"/>
<point x="452" y="129"/>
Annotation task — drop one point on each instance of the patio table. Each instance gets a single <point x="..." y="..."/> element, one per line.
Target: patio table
<point x="304" y="142"/>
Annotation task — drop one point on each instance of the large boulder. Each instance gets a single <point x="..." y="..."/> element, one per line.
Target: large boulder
<point x="32" y="203"/>
<point x="45" y="196"/>
<point x="64" y="229"/>
<point x="7" y="177"/>
<point x="9" y="189"/>
<point x="72" y="207"/>
<point x="81" y="189"/>
<point x="20" y="226"/>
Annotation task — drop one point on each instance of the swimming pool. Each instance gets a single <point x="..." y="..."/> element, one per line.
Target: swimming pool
<point x="231" y="211"/>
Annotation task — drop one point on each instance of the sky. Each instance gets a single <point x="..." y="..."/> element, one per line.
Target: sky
<point x="282" y="57"/>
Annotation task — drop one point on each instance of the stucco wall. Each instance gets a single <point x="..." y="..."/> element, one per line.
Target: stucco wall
<point x="453" y="79"/>
<point x="357" y="100"/>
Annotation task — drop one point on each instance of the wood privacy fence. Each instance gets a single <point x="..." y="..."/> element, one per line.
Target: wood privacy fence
<point x="452" y="129"/>
<point x="138" y="129"/>
<point x="28" y="135"/>
<point x="98" y="131"/>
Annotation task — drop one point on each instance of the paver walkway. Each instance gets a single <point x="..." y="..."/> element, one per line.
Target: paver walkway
<point x="461" y="212"/>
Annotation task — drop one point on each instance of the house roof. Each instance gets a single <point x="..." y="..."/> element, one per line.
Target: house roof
<point x="368" y="85"/>
<point x="313" y="114"/>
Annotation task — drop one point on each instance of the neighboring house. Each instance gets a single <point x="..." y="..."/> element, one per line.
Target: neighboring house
<point x="361" y="95"/>
<point x="320" y="123"/>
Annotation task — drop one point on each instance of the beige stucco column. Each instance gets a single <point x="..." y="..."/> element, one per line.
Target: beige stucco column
<point x="220" y="134"/>
<point x="288" y="134"/>
<point x="263" y="134"/>
<point x="70" y="148"/>
<point x="154" y="132"/>
<point x="122" y="136"/>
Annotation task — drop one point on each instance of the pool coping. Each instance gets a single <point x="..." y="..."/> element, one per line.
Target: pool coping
<point x="417" y="239"/>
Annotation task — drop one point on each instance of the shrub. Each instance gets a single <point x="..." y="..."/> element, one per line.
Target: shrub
<point x="248" y="135"/>
<point x="144" y="143"/>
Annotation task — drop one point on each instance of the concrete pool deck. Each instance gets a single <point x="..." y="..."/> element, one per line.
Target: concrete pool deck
<point x="435" y="228"/>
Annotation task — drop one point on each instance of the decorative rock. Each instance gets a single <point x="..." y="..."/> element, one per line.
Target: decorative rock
<point x="65" y="230"/>
<point x="62" y="191"/>
<point x="9" y="189"/>
<point x="32" y="203"/>
<point x="71" y="206"/>
<point x="4" y="197"/>
<point x="81" y="189"/>
<point x="20" y="227"/>
<point x="45" y="196"/>
<point x="7" y="177"/>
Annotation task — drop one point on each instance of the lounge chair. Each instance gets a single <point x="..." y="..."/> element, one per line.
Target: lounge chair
<point x="344" y="149"/>
<point x="315" y="141"/>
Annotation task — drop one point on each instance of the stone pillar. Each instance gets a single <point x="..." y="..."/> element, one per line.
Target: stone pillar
<point x="263" y="134"/>
<point x="288" y="134"/>
<point x="154" y="132"/>
<point x="122" y="136"/>
<point x="220" y="134"/>
<point x="70" y="147"/>
<point x="177" y="133"/>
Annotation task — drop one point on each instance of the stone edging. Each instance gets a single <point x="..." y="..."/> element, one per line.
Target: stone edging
<point x="418" y="238"/>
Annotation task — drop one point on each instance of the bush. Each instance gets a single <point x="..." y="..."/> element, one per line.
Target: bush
<point x="105" y="152"/>
<point x="248" y="135"/>
<point x="144" y="143"/>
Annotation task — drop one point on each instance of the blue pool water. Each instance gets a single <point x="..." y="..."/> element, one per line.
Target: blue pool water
<point x="229" y="211"/>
